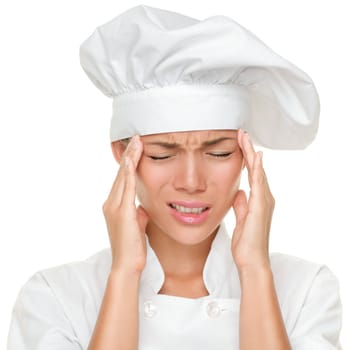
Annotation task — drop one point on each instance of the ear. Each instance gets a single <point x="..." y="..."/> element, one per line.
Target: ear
<point x="118" y="149"/>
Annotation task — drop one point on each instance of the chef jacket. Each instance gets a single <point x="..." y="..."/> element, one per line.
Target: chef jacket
<point x="58" y="307"/>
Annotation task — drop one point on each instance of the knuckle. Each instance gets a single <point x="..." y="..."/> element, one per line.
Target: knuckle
<point x="108" y="208"/>
<point x="105" y="206"/>
<point x="273" y="200"/>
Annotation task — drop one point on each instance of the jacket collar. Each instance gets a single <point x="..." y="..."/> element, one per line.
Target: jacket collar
<point x="218" y="266"/>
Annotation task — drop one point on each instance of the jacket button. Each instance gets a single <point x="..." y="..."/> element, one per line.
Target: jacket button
<point x="149" y="309"/>
<point x="213" y="309"/>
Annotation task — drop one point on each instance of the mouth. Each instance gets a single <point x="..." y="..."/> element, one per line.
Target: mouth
<point x="189" y="212"/>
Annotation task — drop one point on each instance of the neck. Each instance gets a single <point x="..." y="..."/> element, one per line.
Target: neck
<point x="178" y="260"/>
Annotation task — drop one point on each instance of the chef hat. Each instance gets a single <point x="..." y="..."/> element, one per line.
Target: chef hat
<point x="168" y="72"/>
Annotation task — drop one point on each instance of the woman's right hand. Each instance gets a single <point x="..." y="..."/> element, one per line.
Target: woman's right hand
<point x="126" y="224"/>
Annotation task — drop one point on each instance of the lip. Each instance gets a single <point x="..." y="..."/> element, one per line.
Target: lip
<point x="190" y="218"/>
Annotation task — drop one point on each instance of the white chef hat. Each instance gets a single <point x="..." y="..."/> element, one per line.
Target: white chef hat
<point x="168" y="72"/>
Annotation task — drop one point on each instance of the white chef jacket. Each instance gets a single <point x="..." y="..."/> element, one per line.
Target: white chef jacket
<point x="58" y="307"/>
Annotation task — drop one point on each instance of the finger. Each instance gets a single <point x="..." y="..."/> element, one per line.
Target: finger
<point x="262" y="180"/>
<point x="258" y="171"/>
<point x="129" y="193"/>
<point x="248" y="149"/>
<point x="258" y="184"/>
<point x="118" y="187"/>
<point x="248" y="153"/>
<point x="135" y="150"/>
<point x="261" y="200"/>
<point x="240" y="206"/>
<point x="262" y="189"/>
<point x="259" y="174"/>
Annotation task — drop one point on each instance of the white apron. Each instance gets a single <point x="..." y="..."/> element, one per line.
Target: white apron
<point x="58" y="307"/>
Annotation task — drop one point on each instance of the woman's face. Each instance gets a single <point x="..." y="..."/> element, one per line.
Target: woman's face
<point x="186" y="181"/>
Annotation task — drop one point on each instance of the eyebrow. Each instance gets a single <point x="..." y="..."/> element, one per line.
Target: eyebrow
<point x="170" y="145"/>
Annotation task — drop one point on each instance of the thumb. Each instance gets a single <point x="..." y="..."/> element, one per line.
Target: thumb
<point x="142" y="218"/>
<point x="240" y="206"/>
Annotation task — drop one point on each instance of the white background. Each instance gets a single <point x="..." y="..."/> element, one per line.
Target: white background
<point x="56" y="163"/>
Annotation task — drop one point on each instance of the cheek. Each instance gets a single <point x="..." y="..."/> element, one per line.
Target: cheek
<point x="230" y="169"/>
<point x="150" y="179"/>
<point x="227" y="177"/>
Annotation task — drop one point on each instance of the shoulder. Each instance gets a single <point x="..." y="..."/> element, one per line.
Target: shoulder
<point x="284" y="263"/>
<point x="97" y="263"/>
<point x="71" y="282"/>
<point x="85" y="275"/>
<point x="297" y="275"/>
<point x="306" y="290"/>
<point x="298" y="269"/>
<point x="68" y="294"/>
<point x="60" y="304"/>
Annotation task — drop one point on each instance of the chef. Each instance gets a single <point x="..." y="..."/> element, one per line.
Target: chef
<point x="190" y="100"/>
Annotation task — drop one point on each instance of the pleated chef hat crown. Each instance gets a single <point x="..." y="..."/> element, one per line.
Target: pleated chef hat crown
<point x="167" y="72"/>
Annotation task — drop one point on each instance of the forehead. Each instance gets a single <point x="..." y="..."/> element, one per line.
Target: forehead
<point x="190" y="137"/>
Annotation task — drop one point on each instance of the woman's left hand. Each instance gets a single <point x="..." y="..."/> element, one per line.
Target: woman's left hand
<point x="250" y="240"/>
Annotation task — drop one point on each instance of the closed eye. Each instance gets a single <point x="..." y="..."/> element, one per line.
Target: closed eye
<point x="220" y="155"/>
<point x="159" y="157"/>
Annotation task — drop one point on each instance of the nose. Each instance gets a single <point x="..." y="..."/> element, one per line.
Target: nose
<point x="190" y="175"/>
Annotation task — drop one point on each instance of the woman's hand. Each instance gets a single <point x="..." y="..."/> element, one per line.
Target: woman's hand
<point x="250" y="241"/>
<point x="126" y="224"/>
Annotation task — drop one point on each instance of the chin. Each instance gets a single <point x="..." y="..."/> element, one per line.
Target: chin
<point x="190" y="235"/>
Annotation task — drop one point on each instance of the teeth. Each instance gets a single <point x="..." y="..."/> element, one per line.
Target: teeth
<point x="185" y="210"/>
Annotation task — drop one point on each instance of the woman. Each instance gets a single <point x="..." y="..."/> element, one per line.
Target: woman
<point x="182" y="91"/>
